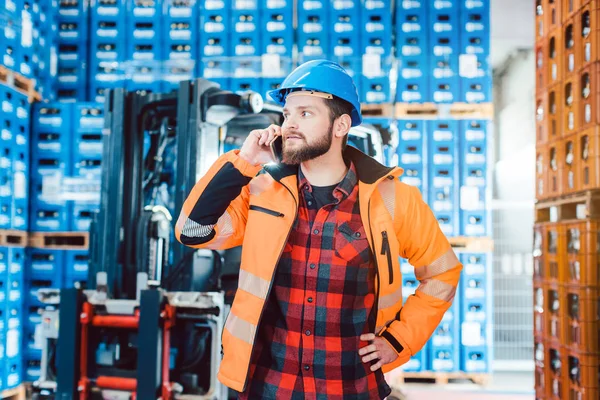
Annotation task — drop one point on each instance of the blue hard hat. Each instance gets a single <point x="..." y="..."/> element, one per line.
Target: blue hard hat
<point x="323" y="76"/>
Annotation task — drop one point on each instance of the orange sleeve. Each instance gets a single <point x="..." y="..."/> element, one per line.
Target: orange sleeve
<point x="214" y="214"/>
<point x="436" y="267"/>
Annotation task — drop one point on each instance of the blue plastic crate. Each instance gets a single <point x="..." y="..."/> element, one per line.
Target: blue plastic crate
<point x="45" y="166"/>
<point x="418" y="362"/>
<point x="32" y="370"/>
<point x="413" y="82"/>
<point x="11" y="8"/>
<point x="46" y="217"/>
<point x="73" y="9"/>
<point x="409" y="285"/>
<point x="32" y="321"/>
<point x="215" y="45"/>
<point x="447" y="333"/>
<point x="15" y="273"/>
<point x="180" y="49"/>
<point x="147" y="50"/>
<point x="5" y="213"/>
<point x="87" y="165"/>
<point x="280" y="43"/>
<point x="477" y="90"/>
<point x="474" y="222"/>
<point x="72" y="30"/>
<point x="144" y="78"/>
<point x="415" y="175"/>
<point x="88" y="117"/>
<point x="76" y="264"/>
<point x="74" y="282"/>
<point x="82" y="216"/>
<point x="32" y="349"/>
<point x="6" y="186"/>
<point x="25" y="60"/>
<point x="477" y="359"/>
<point x="33" y="285"/>
<point x="246" y="67"/>
<point x="144" y="11"/>
<point x="12" y="370"/>
<point x="344" y="45"/>
<point x="4" y="262"/>
<point x="375" y="90"/>
<point x="240" y="85"/>
<point x="44" y="263"/>
<point x="246" y="22"/>
<point x="445" y="359"/>
<point x="175" y="72"/>
<point x="20" y="214"/>
<point x="475" y="17"/>
<point x="448" y="221"/>
<point x="376" y="35"/>
<point x="97" y="89"/>
<point x="445" y="90"/>
<point x="245" y="44"/>
<point x="411" y="21"/>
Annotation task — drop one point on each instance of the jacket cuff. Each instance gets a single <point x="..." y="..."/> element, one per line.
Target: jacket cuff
<point x="396" y="342"/>
<point x="247" y="169"/>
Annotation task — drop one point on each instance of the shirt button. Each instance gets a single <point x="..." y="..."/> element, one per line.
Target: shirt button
<point x="307" y="333"/>
<point x="306" y="367"/>
<point x="310" y="299"/>
<point x="316" y="231"/>
<point x="313" y="266"/>
<point x="310" y="203"/>
<point x="357" y="234"/>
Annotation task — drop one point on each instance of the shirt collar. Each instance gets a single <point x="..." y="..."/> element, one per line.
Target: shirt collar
<point x="345" y="187"/>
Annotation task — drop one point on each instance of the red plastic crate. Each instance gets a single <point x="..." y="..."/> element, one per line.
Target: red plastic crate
<point x="539" y="310"/>
<point x="541" y="172"/>
<point x="554" y="112"/>
<point x="569" y="164"/>
<point x="589" y="162"/>
<point x="583" y="245"/>
<point x="555" y="324"/>
<point x="555" y="252"/>
<point x="539" y="19"/>
<point x="581" y="318"/>
<point x="541" y="120"/>
<point x="571" y="95"/>
<point x="556" y="371"/>
<point x="589" y="90"/>
<point x="538" y="254"/>
<point x="554" y="56"/>
<point x="572" y="47"/>
<point x="541" y="72"/>
<point x="581" y="380"/>
<point x="589" y="30"/>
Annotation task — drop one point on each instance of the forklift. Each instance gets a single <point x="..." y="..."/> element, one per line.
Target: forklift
<point x="148" y="323"/>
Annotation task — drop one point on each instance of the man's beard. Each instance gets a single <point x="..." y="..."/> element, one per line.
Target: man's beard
<point x="306" y="152"/>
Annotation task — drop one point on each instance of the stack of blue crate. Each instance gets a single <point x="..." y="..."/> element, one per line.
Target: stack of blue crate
<point x="66" y="166"/>
<point x="443" y="48"/>
<point x="14" y="159"/>
<point x="180" y="35"/>
<point x="45" y="42"/>
<point x="474" y="214"/>
<point x="444" y="345"/>
<point x="476" y="313"/>
<point x="357" y="35"/>
<point x="443" y="174"/>
<point x="144" y="45"/>
<point x="277" y="43"/>
<point x="46" y="268"/>
<point x="107" y="47"/>
<point x="412" y="153"/>
<point x="73" y="31"/>
<point x="214" y="46"/>
<point x="418" y="362"/>
<point x="12" y="262"/>
<point x="16" y="38"/>
<point x="245" y="45"/>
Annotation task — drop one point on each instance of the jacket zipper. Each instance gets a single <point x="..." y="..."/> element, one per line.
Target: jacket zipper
<point x="266" y="211"/>
<point x="385" y="250"/>
<point x="376" y="267"/>
<point x="271" y="283"/>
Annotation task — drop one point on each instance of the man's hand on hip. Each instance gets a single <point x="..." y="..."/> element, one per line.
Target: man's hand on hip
<point x="378" y="349"/>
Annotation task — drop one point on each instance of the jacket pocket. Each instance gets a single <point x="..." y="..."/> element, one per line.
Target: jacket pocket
<point x="387" y="251"/>
<point x="266" y="211"/>
<point x="351" y="243"/>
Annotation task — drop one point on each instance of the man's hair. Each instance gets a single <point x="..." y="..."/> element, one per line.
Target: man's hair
<point x="337" y="108"/>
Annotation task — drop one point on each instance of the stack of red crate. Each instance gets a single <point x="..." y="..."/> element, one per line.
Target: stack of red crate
<point x="566" y="251"/>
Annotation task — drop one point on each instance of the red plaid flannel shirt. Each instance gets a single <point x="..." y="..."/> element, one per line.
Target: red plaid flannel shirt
<point x="322" y="300"/>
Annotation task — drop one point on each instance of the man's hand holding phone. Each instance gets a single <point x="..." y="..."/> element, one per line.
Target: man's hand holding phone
<point x="257" y="147"/>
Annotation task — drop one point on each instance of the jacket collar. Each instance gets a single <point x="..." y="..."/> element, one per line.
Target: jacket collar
<point x="369" y="171"/>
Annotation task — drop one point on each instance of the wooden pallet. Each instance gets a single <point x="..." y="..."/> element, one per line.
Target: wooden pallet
<point x="443" y="111"/>
<point x="377" y="110"/>
<point x="20" y="83"/>
<point x="60" y="240"/>
<point x="18" y="393"/>
<point x="472" y="244"/>
<point x="584" y="205"/>
<point x="13" y="238"/>
<point x="441" y="378"/>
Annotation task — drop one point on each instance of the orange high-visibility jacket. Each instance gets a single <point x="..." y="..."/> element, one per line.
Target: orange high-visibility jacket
<point x="237" y="203"/>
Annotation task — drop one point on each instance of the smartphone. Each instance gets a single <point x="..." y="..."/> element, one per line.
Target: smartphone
<point x="277" y="149"/>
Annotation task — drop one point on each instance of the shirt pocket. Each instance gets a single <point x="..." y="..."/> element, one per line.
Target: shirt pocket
<point x="351" y="244"/>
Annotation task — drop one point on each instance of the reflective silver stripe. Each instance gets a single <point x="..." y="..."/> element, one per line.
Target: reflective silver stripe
<point x="194" y="229"/>
<point x="387" y="190"/>
<point x="443" y="264"/>
<point x="253" y="284"/>
<point x="260" y="184"/>
<point x="438" y="289"/>
<point x="240" y="329"/>
<point x="390" y="300"/>
<point x="225" y="225"/>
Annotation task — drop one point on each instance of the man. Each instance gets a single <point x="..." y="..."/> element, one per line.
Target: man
<point x="318" y="312"/>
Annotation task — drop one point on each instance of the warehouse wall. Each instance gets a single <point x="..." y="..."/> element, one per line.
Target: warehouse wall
<point x="514" y="194"/>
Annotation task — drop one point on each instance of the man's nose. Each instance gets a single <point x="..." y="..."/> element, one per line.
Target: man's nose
<point x="290" y="123"/>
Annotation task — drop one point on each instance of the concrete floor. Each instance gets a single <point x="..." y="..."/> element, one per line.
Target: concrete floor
<point x="503" y="386"/>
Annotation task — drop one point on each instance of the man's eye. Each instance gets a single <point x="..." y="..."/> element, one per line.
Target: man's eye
<point x="306" y="114"/>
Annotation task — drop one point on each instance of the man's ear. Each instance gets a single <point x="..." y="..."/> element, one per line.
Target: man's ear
<point x="342" y="126"/>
